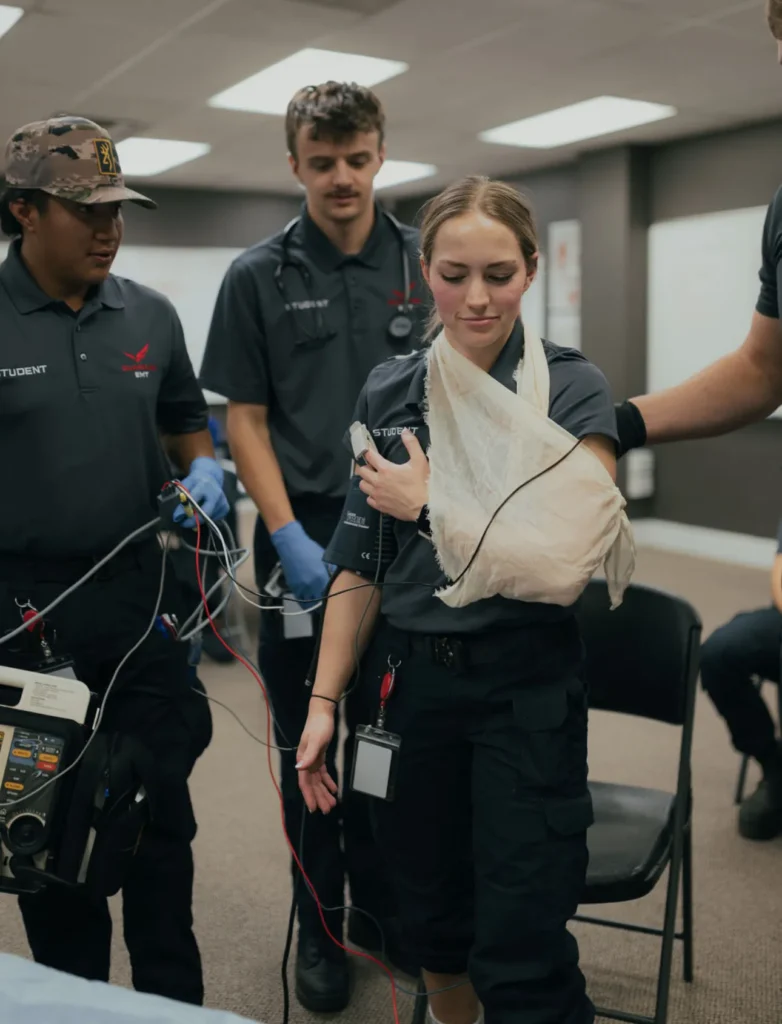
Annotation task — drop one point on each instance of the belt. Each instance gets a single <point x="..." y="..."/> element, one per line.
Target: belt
<point x="455" y="652"/>
<point x="460" y="652"/>
<point x="23" y="569"/>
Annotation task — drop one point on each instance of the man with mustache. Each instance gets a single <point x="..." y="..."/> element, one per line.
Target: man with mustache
<point x="96" y="390"/>
<point x="301" y="319"/>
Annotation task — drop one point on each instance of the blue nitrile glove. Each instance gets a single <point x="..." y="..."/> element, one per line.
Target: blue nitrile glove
<point x="214" y="430"/>
<point x="205" y="484"/>
<point x="302" y="562"/>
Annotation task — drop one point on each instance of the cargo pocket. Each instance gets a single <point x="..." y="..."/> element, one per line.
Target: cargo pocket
<point x="540" y="715"/>
<point x="553" y="720"/>
<point x="567" y="853"/>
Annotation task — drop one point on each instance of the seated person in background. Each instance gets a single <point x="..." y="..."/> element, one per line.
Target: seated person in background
<point x="750" y="645"/>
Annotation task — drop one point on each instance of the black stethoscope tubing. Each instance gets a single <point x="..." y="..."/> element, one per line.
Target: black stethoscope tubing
<point x="400" y="326"/>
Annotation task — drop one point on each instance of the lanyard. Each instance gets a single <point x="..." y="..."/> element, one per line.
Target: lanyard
<point x="386" y="690"/>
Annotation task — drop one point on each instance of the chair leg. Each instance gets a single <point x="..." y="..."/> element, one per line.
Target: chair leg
<point x="669" y="931"/>
<point x="687" y="904"/>
<point x="742" y="779"/>
<point x="421" y="1003"/>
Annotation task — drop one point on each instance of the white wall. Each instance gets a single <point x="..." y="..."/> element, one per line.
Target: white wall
<point x="703" y="286"/>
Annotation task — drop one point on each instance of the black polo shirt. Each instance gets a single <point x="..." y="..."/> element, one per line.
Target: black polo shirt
<point x="580" y="401"/>
<point x="771" y="269"/>
<point x="83" y="399"/>
<point x="260" y="348"/>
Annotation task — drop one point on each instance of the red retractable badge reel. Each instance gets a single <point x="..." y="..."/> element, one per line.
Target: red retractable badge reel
<point x="386" y="689"/>
<point x="387" y="686"/>
<point x="30" y="614"/>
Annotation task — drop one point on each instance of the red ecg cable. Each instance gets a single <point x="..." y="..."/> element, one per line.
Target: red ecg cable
<point x="294" y="854"/>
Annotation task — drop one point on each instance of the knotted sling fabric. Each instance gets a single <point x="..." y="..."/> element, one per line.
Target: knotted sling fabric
<point x="551" y="537"/>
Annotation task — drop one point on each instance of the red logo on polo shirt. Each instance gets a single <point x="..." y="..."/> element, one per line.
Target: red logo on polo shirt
<point x="139" y="367"/>
<point x="398" y="297"/>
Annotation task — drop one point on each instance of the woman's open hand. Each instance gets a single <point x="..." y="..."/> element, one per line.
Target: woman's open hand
<point x="317" y="786"/>
<point x="394" y="490"/>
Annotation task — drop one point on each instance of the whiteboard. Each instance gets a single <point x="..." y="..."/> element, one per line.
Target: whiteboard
<point x="702" y="288"/>
<point x="190" y="278"/>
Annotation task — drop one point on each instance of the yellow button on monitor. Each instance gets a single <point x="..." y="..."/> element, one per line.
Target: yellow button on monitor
<point x="14" y="786"/>
<point x="17" y="752"/>
<point x="48" y="758"/>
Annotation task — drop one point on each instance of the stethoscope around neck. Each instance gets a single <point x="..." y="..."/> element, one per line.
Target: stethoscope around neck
<point x="400" y="326"/>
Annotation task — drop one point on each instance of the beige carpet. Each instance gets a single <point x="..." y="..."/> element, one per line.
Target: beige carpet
<point x="242" y="893"/>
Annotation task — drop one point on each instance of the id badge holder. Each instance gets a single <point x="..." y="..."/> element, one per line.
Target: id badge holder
<point x="376" y="756"/>
<point x="375" y="762"/>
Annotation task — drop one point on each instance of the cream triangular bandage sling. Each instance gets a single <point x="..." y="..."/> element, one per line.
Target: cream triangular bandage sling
<point x="551" y="537"/>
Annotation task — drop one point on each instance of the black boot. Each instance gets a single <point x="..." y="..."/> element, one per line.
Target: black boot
<point x="322" y="977"/>
<point x="760" y="815"/>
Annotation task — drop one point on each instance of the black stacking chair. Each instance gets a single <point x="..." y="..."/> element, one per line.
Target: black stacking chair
<point x="742" y="779"/>
<point x="642" y="659"/>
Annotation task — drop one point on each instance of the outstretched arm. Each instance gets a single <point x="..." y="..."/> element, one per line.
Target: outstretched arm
<point x="738" y="389"/>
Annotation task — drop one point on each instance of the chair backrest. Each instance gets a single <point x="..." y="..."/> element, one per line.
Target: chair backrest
<point x="642" y="658"/>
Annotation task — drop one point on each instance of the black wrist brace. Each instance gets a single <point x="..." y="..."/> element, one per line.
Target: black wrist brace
<point x="630" y="427"/>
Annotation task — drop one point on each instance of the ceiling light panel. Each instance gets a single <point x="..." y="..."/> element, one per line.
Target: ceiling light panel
<point x="9" y="17"/>
<point x="400" y="172"/>
<point x="603" y="115"/>
<point x="269" y="91"/>
<point x="144" y="158"/>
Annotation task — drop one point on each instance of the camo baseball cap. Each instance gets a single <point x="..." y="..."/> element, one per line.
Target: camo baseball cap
<point x="68" y="157"/>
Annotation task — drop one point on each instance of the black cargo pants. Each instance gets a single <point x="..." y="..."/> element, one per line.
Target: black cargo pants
<point x="749" y="645"/>
<point x="487" y="832"/>
<point x="339" y="845"/>
<point x="152" y="700"/>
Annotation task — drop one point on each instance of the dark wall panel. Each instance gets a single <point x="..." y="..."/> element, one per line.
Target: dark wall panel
<point x="204" y="218"/>
<point x="728" y="171"/>
<point x="554" y="196"/>
<point x="612" y="207"/>
<point x="728" y="483"/>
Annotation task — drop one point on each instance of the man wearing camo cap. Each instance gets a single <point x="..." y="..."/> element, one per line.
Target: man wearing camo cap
<point x="93" y="372"/>
<point x="72" y="242"/>
<point x="68" y="157"/>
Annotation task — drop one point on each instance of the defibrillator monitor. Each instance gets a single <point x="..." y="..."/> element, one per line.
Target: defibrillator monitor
<point x="42" y="729"/>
